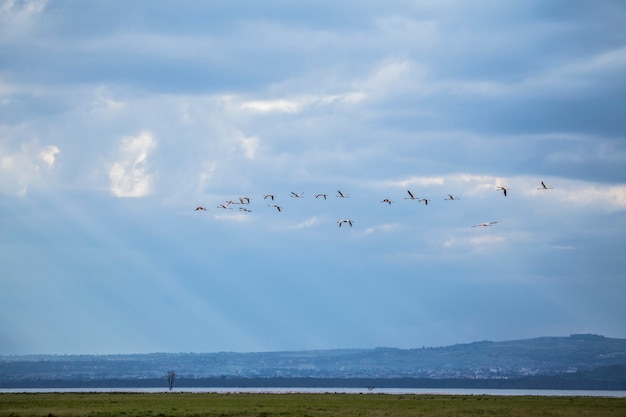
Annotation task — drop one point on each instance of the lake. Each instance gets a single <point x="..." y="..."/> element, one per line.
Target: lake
<point x="394" y="391"/>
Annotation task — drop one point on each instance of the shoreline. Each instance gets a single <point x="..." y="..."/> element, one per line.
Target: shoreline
<point x="325" y="390"/>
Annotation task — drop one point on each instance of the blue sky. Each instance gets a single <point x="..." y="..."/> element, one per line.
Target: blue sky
<point x="118" y="120"/>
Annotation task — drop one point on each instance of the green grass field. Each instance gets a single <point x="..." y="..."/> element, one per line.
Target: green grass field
<point x="302" y="405"/>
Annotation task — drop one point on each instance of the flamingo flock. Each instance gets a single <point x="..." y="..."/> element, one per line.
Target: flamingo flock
<point x="245" y="201"/>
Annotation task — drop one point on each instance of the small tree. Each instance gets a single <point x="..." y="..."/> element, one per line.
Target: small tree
<point x="171" y="375"/>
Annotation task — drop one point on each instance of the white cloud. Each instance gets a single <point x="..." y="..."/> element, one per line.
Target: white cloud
<point x="233" y="217"/>
<point x="486" y="240"/>
<point x="414" y="181"/>
<point x="48" y="154"/>
<point x="614" y="59"/>
<point x="389" y="76"/>
<point x="298" y="104"/>
<point x="206" y="175"/>
<point x="478" y="238"/>
<point x="129" y="175"/>
<point x="583" y="193"/>
<point x="612" y="197"/>
<point x="105" y="102"/>
<point x="450" y="242"/>
<point x="282" y="105"/>
<point x="385" y="228"/>
<point x="457" y="184"/>
<point x="595" y="65"/>
<point x="20" y="169"/>
<point x="15" y="16"/>
<point x="312" y="221"/>
<point x="563" y="247"/>
<point x="249" y="145"/>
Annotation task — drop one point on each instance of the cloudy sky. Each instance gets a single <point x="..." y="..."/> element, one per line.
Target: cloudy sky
<point x="118" y="119"/>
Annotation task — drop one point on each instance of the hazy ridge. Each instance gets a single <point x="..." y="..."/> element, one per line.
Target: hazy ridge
<point x="585" y="361"/>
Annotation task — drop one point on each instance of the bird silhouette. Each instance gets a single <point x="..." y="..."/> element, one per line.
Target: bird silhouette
<point x="340" y="222"/>
<point x="544" y="186"/>
<point x="487" y="224"/>
<point x="411" y="196"/>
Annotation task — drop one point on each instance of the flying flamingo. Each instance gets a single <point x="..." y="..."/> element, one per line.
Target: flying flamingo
<point x="386" y="200"/>
<point x="266" y="196"/>
<point x="275" y="206"/>
<point x="296" y="195"/>
<point x="321" y="195"/>
<point x="340" y="222"/>
<point x="200" y="208"/>
<point x="503" y="189"/>
<point x="487" y="224"/>
<point x="425" y="200"/>
<point x="342" y="195"/>
<point x="411" y="196"/>
<point x="544" y="186"/>
<point x="452" y="197"/>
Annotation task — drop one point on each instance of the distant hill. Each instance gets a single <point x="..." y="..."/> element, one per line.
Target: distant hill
<point x="552" y="362"/>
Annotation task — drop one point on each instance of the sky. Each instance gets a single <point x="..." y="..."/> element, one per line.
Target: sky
<point x="118" y="119"/>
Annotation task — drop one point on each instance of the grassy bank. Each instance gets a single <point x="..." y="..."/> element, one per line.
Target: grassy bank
<point x="302" y="405"/>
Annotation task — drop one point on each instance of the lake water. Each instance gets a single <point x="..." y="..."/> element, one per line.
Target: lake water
<point x="394" y="391"/>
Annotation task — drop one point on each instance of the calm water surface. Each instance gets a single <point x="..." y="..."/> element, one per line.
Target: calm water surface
<point x="434" y="391"/>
